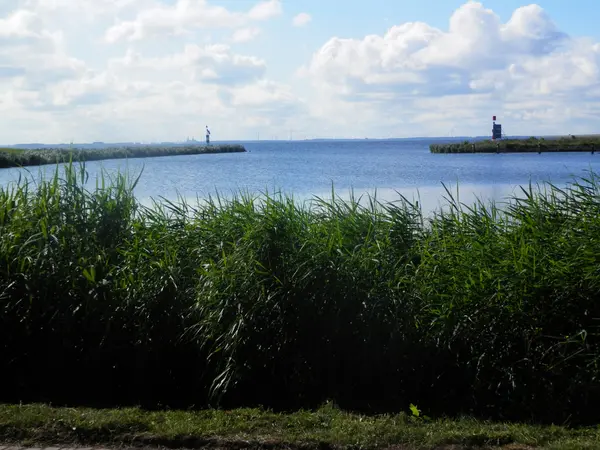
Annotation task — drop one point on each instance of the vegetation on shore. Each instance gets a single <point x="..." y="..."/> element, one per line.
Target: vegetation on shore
<point x="531" y="145"/>
<point x="327" y="427"/>
<point x="10" y="157"/>
<point x="264" y="301"/>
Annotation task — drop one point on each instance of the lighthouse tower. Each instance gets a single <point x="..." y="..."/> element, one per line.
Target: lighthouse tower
<point x="496" y="129"/>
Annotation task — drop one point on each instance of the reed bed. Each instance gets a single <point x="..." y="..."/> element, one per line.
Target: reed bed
<point x="259" y="300"/>
<point x="18" y="158"/>
<point x="531" y="145"/>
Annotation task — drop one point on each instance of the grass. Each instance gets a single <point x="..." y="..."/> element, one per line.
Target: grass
<point x="326" y="427"/>
<point x="10" y="157"/>
<point x="10" y="150"/>
<point x="253" y="301"/>
<point x="564" y="144"/>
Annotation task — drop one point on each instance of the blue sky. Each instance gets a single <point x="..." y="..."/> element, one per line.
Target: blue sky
<point x="358" y="18"/>
<point x="150" y="70"/>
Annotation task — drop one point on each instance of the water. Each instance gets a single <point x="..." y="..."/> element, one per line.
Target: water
<point x="306" y="169"/>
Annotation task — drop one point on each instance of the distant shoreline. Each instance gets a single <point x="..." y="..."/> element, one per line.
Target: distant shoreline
<point x="15" y="157"/>
<point x="110" y="145"/>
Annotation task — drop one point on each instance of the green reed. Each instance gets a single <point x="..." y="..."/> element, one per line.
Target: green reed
<point x="531" y="145"/>
<point x="17" y="158"/>
<point x="262" y="300"/>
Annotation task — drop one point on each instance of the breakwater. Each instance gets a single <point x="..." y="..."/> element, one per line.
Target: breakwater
<point x="10" y="157"/>
<point x="531" y="145"/>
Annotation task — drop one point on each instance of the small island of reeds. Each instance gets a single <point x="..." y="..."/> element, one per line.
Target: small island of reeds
<point x="14" y="157"/>
<point x="531" y="145"/>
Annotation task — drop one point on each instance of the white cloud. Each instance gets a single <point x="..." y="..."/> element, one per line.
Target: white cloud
<point x="186" y="15"/>
<point x="266" y="10"/>
<point x="245" y="34"/>
<point x="437" y="80"/>
<point x="213" y="64"/>
<point x="93" y="63"/>
<point x="95" y="6"/>
<point x="26" y="47"/>
<point x="301" y="20"/>
<point x="23" y="28"/>
<point x="122" y="91"/>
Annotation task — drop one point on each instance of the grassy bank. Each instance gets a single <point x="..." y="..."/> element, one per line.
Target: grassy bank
<point x="262" y="301"/>
<point x="326" y="427"/>
<point x="16" y="158"/>
<point x="531" y="145"/>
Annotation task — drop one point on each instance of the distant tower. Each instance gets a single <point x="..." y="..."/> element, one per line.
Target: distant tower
<point x="207" y="135"/>
<point x="496" y="129"/>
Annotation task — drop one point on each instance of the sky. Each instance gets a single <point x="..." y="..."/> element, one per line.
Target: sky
<point x="161" y="70"/>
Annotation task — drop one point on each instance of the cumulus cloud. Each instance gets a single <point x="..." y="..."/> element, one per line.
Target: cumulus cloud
<point x="96" y="6"/>
<point x="416" y="55"/>
<point x="301" y="20"/>
<point x="25" y="28"/>
<point x="102" y="77"/>
<point x="214" y="64"/>
<point x="265" y="10"/>
<point x="245" y="34"/>
<point x="186" y="15"/>
<point x="27" y="47"/>
<point x="60" y="80"/>
<point x="479" y="63"/>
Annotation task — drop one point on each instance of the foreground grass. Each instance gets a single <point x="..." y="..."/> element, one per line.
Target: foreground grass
<point x="17" y="158"/>
<point x="262" y="301"/>
<point x="531" y="145"/>
<point x="326" y="427"/>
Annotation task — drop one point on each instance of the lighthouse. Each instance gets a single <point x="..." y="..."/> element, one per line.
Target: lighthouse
<point x="496" y="129"/>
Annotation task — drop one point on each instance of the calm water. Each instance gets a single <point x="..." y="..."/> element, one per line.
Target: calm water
<point x="305" y="169"/>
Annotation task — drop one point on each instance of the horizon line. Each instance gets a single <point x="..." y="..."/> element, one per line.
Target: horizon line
<point x="148" y="142"/>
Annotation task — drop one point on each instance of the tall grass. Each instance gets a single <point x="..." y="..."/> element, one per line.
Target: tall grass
<point x="16" y="158"/>
<point x="262" y="300"/>
<point x="531" y="145"/>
